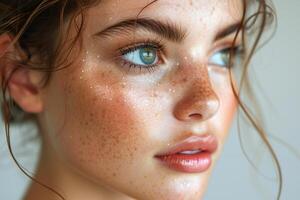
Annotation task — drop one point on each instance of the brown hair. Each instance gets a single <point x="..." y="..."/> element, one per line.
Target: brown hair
<point x="27" y="21"/>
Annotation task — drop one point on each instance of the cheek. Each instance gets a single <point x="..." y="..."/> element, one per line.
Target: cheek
<point x="225" y="115"/>
<point x="228" y="105"/>
<point x="100" y="130"/>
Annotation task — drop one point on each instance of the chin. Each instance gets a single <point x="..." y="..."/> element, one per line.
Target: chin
<point x="173" y="186"/>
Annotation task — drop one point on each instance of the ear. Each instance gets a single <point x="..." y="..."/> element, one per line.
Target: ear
<point x="5" y="41"/>
<point x="22" y="89"/>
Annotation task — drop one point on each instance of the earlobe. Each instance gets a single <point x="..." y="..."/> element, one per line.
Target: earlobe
<point x="19" y="84"/>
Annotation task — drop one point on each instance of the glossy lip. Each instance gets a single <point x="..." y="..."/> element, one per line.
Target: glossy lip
<point x="190" y="163"/>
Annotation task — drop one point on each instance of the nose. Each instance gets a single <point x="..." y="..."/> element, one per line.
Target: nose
<point x="199" y="102"/>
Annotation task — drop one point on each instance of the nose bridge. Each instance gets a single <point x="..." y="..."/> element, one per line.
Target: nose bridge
<point x="201" y="86"/>
<point x="199" y="101"/>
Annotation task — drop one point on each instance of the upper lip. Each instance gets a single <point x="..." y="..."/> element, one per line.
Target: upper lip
<point x="207" y="142"/>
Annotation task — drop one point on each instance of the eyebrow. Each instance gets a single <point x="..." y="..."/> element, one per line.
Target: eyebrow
<point x="233" y="28"/>
<point x="166" y="29"/>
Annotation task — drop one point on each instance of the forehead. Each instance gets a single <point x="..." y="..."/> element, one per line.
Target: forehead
<point x="184" y="12"/>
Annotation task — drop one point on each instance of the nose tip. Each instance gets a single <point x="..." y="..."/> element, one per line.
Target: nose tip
<point x="204" y="110"/>
<point x="197" y="108"/>
<point x="199" y="101"/>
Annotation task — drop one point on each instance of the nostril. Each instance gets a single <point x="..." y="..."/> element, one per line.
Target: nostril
<point x="202" y="110"/>
<point x="197" y="107"/>
<point x="195" y="116"/>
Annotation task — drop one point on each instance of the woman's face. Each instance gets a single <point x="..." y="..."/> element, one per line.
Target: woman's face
<point x="144" y="97"/>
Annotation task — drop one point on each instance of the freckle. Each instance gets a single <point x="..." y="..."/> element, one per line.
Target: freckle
<point x="94" y="99"/>
<point x="123" y="85"/>
<point x="131" y="155"/>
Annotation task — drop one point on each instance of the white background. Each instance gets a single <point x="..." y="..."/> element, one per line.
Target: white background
<point x="277" y="68"/>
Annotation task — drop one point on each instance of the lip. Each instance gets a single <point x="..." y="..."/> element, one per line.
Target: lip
<point x="176" y="158"/>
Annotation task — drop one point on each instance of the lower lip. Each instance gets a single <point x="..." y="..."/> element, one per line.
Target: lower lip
<point x="194" y="163"/>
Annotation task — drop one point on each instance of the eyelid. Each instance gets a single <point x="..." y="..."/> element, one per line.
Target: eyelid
<point x="136" y="46"/>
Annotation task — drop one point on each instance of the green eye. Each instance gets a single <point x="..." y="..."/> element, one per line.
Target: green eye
<point x="147" y="55"/>
<point x="144" y="56"/>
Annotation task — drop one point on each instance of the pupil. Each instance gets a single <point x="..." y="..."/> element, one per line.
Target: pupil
<point x="147" y="55"/>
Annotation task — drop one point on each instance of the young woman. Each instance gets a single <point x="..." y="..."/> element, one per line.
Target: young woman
<point x="133" y="98"/>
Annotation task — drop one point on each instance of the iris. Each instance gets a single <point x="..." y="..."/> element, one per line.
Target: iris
<point x="142" y="56"/>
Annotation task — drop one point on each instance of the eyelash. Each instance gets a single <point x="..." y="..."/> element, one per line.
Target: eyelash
<point x="157" y="45"/>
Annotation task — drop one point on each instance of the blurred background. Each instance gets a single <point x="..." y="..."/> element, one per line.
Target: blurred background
<point x="276" y="68"/>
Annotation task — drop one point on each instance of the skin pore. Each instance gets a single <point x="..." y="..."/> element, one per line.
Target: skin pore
<point x="102" y="120"/>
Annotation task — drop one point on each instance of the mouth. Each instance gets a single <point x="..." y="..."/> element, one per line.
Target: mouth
<point x="192" y="155"/>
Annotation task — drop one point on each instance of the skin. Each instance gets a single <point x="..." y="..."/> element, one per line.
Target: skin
<point x="102" y="124"/>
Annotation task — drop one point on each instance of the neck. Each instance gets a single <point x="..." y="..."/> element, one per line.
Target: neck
<point x="67" y="182"/>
